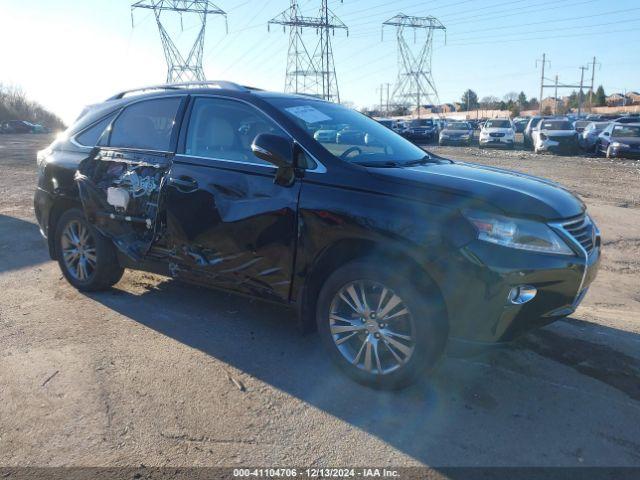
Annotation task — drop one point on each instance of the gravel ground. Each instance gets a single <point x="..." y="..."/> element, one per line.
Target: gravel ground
<point x="158" y="373"/>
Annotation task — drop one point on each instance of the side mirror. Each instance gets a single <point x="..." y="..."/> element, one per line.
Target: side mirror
<point x="606" y="134"/>
<point x="274" y="149"/>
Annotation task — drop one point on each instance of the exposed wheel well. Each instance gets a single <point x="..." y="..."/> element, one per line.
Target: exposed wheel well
<point x="60" y="206"/>
<point x="346" y="251"/>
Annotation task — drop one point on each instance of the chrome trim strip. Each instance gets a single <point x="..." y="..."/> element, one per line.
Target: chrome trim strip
<point x="236" y="162"/>
<point x="560" y="226"/>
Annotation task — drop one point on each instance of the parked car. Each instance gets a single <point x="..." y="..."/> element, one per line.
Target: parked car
<point x="350" y="136"/>
<point x="460" y="133"/>
<point x="533" y="123"/>
<point x="390" y="124"/>
<point x="555" y="135"/>
<point x="498" y="132"/>
<point x="588" y="139"/>
<point x="579" y="125"/>
<point x="19" y="126"/>
<point x="520" y="124"/>
<point x="620" y="140"/>
<point x="392" y="254"/>
<point x="421" y="130"/>
<point x="326" y="136"/>
<point x="628" y="119"/>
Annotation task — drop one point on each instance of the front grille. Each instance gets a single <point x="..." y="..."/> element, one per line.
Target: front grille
<point x="496" y="134"/>
<point x="582" y="230"/>
<point x="563" y="140"/>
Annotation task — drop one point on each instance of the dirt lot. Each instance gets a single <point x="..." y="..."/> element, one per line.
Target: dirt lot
<point x="157" y="373"/>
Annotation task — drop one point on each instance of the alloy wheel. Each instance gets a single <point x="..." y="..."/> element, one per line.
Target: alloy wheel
<point x="372" y="327"/>
<point x="79" y="251"/>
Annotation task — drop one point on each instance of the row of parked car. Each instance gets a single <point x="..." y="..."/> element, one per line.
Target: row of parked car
<point x="613" y="137"/>
<point x="22" y="126"/>
<point x="599" y="134"/>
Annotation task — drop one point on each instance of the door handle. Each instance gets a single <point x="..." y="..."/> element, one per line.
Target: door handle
<point x="186" y="184"/>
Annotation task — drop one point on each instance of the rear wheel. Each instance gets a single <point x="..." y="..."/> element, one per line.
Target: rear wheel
<point x="377" y="327"/>
<point x="88" y="259"/>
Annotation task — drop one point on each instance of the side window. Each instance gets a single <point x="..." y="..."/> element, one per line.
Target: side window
<point x="89" y="138"/>
<point x="146" y="125"/>
<point x="224" y="129"/>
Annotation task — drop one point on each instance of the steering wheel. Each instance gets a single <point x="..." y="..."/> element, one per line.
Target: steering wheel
<point x="349" y="151"/>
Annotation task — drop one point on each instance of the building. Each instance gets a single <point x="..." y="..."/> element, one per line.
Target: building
<point x="616" y="100"/>
<point x="633" y="98"/>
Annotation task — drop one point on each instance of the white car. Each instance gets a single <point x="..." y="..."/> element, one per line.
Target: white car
<point x="498" y="132"/>
<point x="326" y="136"/>
<point x="554" y="135"/>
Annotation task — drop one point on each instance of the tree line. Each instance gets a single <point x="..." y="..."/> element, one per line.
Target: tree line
<point x="517" y="102"/>
<point x="14" y="105"/>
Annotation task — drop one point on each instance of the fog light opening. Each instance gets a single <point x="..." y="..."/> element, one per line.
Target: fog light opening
<point x="522" y="294"/>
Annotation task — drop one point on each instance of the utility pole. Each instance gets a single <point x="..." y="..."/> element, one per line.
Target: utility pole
<point x="388" y="86"/>
<point x="544" y="62"/>
<point x="580" y="94"/>
<point x="593" y="77"/>
<point x="381" y="90"/>
<point x="329" y="22"/>
<point x="555" y="98"/>
<point x="180" y="68"/>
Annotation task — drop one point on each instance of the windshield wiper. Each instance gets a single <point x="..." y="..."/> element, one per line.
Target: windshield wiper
<point x="386" y="164"/>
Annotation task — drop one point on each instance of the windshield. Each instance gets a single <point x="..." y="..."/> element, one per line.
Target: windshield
<point x="626" y="131"/>
<point x="347" y="134"/>
<point x="458" y="126"/>
<point x="556" y="125"/>
<point x="498" y="124"/>
<point x="422" y="122"/>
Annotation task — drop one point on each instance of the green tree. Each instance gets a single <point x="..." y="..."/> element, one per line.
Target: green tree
<point x="522" y="100"/>
<point x="469" y="100"/>
<point x="515" y="110"/>
<point x="600" y="99"/>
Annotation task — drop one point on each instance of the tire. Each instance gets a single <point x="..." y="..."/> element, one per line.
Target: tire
<point x="402" y="359"/>
<point x="97" y="268"/>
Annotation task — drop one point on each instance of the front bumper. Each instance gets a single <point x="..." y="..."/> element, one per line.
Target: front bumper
<point x="477" y="280"/>
<point x="625" y="152"/>
<point x="497" y="142"/>
<point x="567" y="147"/>
<point x="455" y="140"/>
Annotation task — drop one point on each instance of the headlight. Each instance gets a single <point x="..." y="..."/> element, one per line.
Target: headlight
<point x="619" y="145"/>
<point x="517" y="233"/>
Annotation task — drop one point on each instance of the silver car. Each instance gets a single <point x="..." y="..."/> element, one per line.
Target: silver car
<point x="588" y="138"/>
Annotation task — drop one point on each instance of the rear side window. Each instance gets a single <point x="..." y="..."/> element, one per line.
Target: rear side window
<point x="146" y="125"/>
<point x="89" y="138"/>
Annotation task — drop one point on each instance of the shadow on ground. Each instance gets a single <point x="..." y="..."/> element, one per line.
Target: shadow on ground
<point x="21" y="244"/>
<point x="469" y="409"/>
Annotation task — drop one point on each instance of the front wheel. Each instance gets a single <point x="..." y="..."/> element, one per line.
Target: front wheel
<point x="377" y="327"/>
<point x="88" y="259"/>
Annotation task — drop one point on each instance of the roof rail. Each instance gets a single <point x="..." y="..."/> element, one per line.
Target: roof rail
<point x="222" y="84"/>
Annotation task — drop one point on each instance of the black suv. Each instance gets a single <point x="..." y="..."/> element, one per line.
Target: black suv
<point x="391" y="253"/>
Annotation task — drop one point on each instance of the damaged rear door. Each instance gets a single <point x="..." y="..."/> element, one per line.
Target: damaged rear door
<point x="120" y="182"/>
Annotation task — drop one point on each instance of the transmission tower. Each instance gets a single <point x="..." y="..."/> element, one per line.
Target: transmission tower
<point x="415" y="85"/>
<point x="302" y="74"/>
<point x="310" y="72"/>
<point x="179" y="68"/>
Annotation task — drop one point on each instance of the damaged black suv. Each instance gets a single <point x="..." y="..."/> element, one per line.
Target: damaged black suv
<point x="391" y="253"/>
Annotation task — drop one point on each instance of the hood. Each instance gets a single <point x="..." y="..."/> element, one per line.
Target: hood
<point x="455" y="132"/>
<point x="498" y="130"/>
<point x="559" y="133"/>
<point x="468" y="185"/>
